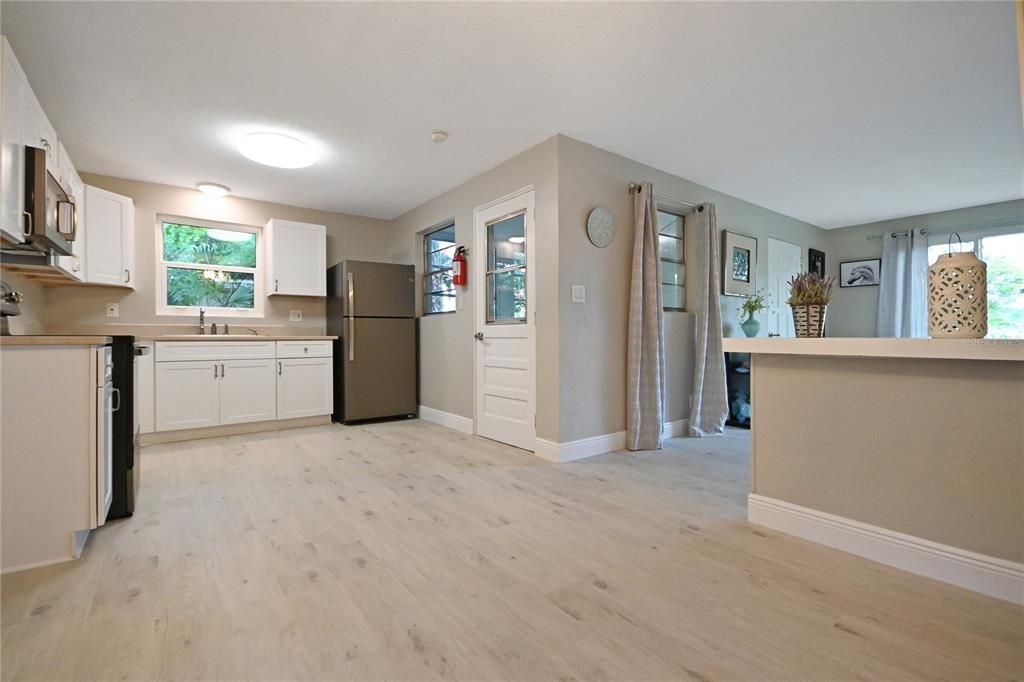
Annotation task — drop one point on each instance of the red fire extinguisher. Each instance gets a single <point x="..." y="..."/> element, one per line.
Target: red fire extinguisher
<point x="460" y="274"/>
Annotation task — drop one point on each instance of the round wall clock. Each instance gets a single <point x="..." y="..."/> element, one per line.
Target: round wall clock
<point x="600" y="227"/>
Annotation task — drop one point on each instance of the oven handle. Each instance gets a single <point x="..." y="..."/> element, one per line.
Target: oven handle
<point x="116" y="394"/>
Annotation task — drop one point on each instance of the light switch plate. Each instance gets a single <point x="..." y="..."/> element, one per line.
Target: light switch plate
<point x="295" y="316"/>
<point x="579" y="293"/>
<point x="113" y="310"/>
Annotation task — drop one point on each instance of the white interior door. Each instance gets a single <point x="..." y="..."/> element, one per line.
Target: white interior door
<point x="784" y="261"/>
<point x="505" y="320"/>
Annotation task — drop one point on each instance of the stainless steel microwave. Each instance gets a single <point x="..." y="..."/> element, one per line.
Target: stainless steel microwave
<point x="51" y="216"/>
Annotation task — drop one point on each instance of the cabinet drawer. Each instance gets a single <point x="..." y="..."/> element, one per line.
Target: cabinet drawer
<point x="172" y="351"/>
<point x="304" y="349"/>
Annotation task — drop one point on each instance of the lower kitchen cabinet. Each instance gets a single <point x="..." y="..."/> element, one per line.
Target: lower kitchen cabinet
<point x="201" y="384"/>
<point x="187" y="395"/>
<point x="247" y="391"/>
<point x="305" y="387"/>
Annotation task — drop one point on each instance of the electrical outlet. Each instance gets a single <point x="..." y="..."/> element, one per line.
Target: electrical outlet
<point x="295" y="316"/>
<point x="579" y="293"/>
<point x="113" y="310"/>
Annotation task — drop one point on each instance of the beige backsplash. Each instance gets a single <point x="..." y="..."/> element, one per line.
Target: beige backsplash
<point x="155" y="330"/>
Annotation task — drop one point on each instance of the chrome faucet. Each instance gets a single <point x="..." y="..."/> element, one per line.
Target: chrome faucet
<point x="202" y="320"/>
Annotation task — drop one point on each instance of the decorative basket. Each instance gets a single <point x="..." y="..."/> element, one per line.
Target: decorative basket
<point x="809" y="320"/>
<point x="958" y="297"/>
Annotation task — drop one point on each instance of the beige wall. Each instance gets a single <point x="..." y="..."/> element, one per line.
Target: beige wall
<point x="931" y="448"/>
<point x="31" y="320"/>
<point x="77" y="307"/>
<point x="854" y="309"/>
<point x="593" y="334"/>
<point x="446" y="340"/>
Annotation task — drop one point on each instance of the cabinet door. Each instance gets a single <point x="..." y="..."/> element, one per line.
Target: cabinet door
<point x="298" y="258"/>
<point x="247" y="391"/>
<point x="110" y="257"/>
<point x="305" y="387"/>
<point x="187" y="395"/>
<point x="13" y="109"/>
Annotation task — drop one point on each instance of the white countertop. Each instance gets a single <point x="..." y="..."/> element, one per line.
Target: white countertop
<point x="934" y="349"/>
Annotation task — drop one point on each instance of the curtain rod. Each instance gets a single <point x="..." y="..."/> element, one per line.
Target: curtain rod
<point x="904" y="233"/>
<point x="634" y="187"/>
<point x="970" y="227"/>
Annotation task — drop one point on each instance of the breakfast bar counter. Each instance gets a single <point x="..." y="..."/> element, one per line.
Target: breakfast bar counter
<point x="908" y="451"/>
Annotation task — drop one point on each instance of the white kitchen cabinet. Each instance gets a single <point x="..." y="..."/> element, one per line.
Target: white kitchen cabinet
<point x="296" y="258"/>
<point x="305" y="387"/>
<point x="110" y="246"/>
<point x="247" y="391"/>
<point x="13" y="130"/>
<point x="187" y="395"/>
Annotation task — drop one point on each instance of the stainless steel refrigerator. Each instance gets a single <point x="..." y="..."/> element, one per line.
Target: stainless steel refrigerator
<point x="372" y="308"/>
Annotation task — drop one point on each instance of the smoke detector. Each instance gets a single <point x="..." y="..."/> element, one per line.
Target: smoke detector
<point x="439" y="136"/>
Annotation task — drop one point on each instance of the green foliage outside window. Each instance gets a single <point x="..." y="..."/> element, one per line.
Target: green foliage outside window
<point x="209" y="286"/>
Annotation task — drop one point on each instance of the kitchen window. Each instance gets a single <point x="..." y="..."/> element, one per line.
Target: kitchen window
<point x="208" y="265"/>
<point x="673" y="268"/>
<point x="438" y="251"/>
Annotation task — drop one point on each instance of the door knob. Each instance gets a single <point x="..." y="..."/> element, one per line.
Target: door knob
<point x="479" y="336"/>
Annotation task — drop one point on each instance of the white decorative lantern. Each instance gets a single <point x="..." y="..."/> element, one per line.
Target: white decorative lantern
<point x="957" y="296"/>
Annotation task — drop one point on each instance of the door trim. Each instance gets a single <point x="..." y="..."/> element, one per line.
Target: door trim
<point x="479" y="269"/>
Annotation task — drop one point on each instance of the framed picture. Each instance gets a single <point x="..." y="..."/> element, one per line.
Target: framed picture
<point x="739" y="264"/>
<point x="816" y="261"/>
<point x="860" y="273"/>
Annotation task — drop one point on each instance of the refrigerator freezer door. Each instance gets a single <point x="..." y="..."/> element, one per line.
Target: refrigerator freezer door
<point x="377" y="290"/>
<point x="380" y="378"/>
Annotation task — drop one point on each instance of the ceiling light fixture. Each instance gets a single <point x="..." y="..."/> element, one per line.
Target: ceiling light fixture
<point x="213" y="189"/>
<point x="277" y="150"/>
<point x="439" y="136"/>
<point x="517" y="240"/>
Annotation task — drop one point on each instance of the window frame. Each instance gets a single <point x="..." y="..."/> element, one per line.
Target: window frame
<point x="490" y="276"/>
<point x="672" y="210"/>
<point x="427" y="272"/>
<point x="162" y="308"/>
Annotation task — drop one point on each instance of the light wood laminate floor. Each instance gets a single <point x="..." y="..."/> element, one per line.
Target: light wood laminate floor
<point x="408" y="551"/>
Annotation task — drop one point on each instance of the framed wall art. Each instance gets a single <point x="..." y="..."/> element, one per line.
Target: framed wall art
<point x="739" y="264"/>
<point x="860" y="273"/>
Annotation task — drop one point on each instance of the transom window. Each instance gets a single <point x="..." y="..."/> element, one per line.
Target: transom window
<point x="208" y="265"/>
<point x="673" y="268"/>
<point x="506" y="270"/>
<point x="438" y="251"/>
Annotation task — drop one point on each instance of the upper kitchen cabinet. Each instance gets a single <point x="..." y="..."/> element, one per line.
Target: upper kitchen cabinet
<point x="14" y="112"/>
<point x="74" y="265"/>
<point x="110" y="247"/>
<point x="296" y="257"/>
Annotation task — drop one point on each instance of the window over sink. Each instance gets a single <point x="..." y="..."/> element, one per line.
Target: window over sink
<point x="208" y="265"/>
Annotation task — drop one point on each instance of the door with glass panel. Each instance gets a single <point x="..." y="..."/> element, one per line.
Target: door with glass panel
<point x="505" y="321"/>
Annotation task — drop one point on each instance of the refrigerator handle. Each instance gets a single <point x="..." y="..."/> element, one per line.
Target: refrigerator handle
<point x="351" y="318"/>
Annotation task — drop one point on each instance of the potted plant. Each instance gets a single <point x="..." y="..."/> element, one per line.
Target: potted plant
<point x="809" y="294"/>
<point x="752" y="304"/>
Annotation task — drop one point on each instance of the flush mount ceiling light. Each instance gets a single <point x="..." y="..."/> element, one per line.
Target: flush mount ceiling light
<point x="213" y="189"/>
<point x="439" y="136"/>
<point x="517" y="240"/>
<point x="277" y="150"/>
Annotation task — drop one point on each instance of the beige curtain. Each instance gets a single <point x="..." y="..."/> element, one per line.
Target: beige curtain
<point x="645" y="381"/>
<point x="710" y="397"/>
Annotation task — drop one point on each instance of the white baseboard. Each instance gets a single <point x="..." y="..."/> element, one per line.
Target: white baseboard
<point x="676" y="428"/>
<point x="578" y="449"/>
<point x="452" y="421"/>
<point x="597" y="445"/>
<point x="985" y="574"/>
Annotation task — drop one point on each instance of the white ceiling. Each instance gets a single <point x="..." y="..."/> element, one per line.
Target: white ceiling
<point x="833" y="113"/>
